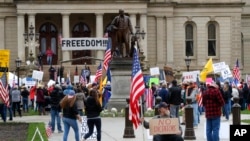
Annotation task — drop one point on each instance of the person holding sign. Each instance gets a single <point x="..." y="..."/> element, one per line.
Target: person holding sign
<point x="164" y="113"/>
<point x="93" y="110"/>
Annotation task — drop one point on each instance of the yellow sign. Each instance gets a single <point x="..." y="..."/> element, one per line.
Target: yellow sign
<point x="4" y="60"/>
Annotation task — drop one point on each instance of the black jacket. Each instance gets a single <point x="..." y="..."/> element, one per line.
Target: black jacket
<point x="175" y="95"/>
<point x="92" y="108"/>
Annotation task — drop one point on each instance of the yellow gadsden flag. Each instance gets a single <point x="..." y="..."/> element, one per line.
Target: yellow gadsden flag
<point x="207" y="69"/>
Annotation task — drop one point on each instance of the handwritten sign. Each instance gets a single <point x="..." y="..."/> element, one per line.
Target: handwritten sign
<point x="164" y="126"/>
<point x="218" y="67"/>
<point x="37" y="75"/>
<point x="190" y="76"/>
<point x="226" y="73"/>
<point x="85" y="130"/>
<point x="154" y="71"/>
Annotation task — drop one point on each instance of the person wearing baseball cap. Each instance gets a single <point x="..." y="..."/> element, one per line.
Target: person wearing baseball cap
<point x="164" y="112"/>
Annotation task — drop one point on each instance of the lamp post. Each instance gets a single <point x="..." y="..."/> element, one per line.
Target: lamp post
<point x="187" y="61"/>
<point x="18" y="64"/>
<point x="31" y="39"/>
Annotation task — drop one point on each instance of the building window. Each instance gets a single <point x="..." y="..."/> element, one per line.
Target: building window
<point x="189" y="40"/>
<point x="211" y="40"/>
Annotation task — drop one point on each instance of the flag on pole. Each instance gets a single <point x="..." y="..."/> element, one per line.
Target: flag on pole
<point x="4" y="91"/>
<point x="208" y="68"/>
<point x="107" y="56"/>
<point x="49" y="130"/>
<point x="98" y="73"/>
<point x="236" y="73"/>
<point x="83" y="78"/>
<point x="137" y="89"/>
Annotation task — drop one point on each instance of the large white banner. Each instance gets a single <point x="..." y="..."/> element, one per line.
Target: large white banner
<point x="84" y="43"/>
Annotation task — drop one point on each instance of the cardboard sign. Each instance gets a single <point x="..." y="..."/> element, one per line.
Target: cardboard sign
<point x="154" y="71"/>
<point x="161" y="126"/>
<point x="37" y="75"/>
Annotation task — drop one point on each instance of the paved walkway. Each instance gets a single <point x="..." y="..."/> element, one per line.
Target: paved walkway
<point x="113" y="129"/>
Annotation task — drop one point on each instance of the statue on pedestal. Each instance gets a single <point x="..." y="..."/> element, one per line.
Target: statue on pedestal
<point x="122" y="27"/>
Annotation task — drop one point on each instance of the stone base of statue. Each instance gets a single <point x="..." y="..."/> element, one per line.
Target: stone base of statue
<point x="121" y="69"/>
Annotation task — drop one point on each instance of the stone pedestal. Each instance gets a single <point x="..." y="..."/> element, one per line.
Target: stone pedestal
<point x="121" y="70"/>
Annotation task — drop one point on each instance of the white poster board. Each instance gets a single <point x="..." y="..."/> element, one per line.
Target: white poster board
<point x="154" y="71"/>
<point x="37" y="75"/>
<point x="190" y="76"/>
<point x="219" y="67"/>
<point x="76" y="79"/>
<point x="84" y="130"/>
<point x="226" y="73"/>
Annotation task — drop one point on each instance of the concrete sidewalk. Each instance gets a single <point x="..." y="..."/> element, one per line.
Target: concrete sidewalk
<point x="113" y="129"/>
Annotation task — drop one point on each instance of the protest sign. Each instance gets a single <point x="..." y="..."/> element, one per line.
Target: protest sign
<point x="161" y="126"/>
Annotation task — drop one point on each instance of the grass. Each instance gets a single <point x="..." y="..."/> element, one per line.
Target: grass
<point x="32" y="131"/>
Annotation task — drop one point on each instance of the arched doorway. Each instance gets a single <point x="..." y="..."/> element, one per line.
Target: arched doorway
<point x="48" y="39"/>
<point x="81" y="30"/>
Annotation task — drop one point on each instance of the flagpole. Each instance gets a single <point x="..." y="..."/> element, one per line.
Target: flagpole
<point x="142" y="116"/>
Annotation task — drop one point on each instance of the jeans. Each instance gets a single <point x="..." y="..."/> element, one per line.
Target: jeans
<point x="212" y="129"/>
<point x="25" y="104"/>
<point x="16" y="105"/>
<point x="55" y="116"/>
<point x="68" y="122"/>
<point x="3" y="111"/>
<point x="195" y="113"/>
<point x="227" y="108"/>
<point x="98" y="123"/>
<point x="174" y="111"/>
<point x="10" y="112"/>
<point x="49" y="60"/>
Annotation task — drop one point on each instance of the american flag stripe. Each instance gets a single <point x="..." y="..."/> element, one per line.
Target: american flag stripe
<point x="149" y="98"/>
<point x="137" y="89"/>
<point x="98" y="73"/>
<point x="48" y="131"/>
<point x="236" y="72"/>
<point x="4" y="91"/>
<point x="107" y="56"/>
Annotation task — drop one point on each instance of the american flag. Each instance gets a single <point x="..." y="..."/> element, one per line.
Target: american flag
<point x="149" y="98"/>
<point x="98" y="73"/>
<point x="236" y="73"/>
<point x="107" y="56"/>
<point x="49" y="130"/>
<point x="137" y="89"/>
<point x="83" y="78"/>
<point x="60" y="38"/>
<point x="4" y="91"/>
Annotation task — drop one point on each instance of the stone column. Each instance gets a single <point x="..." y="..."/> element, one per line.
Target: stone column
<point x="20" y="38"/>
<point x="99" y="33"/>
<point x="2" y="27"/>
<point x="144" y="43"/>
<point x="133" y="21"/>
<point x="160" y="41"/>
<point x="170" y="45"/>
<point x="65" y="33"/>
<point x="32" y="21"/>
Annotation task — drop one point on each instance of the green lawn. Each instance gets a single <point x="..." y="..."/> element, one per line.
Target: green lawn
<point x="32" y="132"/>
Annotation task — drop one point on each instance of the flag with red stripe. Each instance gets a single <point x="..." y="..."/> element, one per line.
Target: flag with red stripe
<point x="137" y="89"/>
<point x="49" y="130"/>
<point x="149" y="97"/>
<point x="107" y="56"/>
<point x="98" y="73"/>
<point x="236" y="72"/>
<point x="4" y="91"/>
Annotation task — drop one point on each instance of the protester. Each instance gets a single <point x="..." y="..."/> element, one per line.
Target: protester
<point x="49" y="54"/>
<point x="175" y="99"/>
<point x="70" y="115"/>
<point x="93" y="110"/>
<point x="80" y="97"/>
<point x="40" y="100"/>
<point x="164" y="113"/>
<point x="32" y="95"/>
<point x="227" y="99"/>
<point x="56" y="96"/>
<point x="16" y="100"/>
<point x="213" y="101"/>
<point x="191" y="93"/>
<point x="25" y="99"/>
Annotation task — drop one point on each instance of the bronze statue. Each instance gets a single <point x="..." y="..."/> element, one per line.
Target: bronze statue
<point x="123" y="28"/>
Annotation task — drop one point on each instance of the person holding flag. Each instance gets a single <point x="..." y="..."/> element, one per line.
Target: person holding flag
<point x="208" y="68"/>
